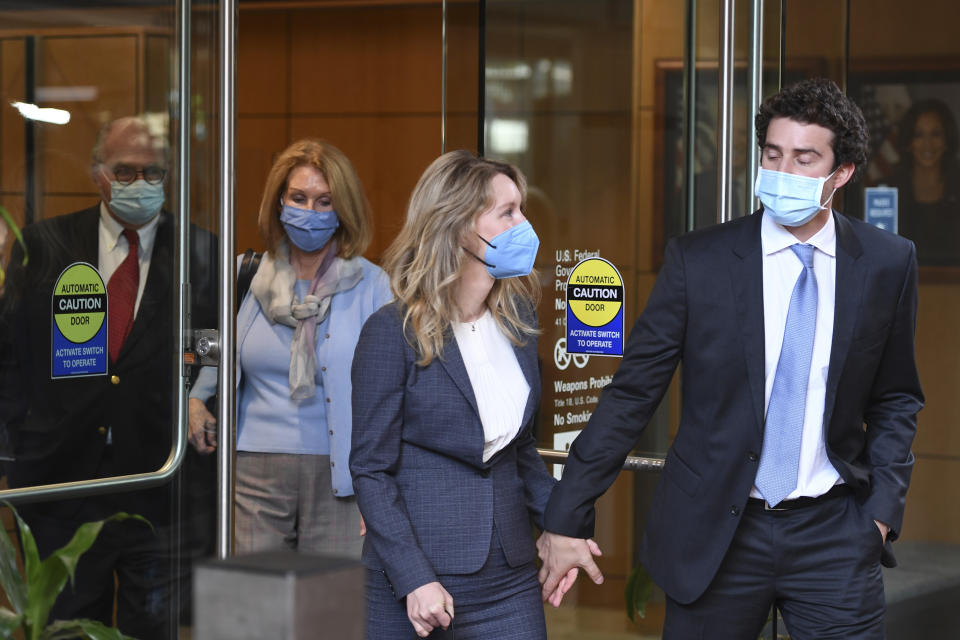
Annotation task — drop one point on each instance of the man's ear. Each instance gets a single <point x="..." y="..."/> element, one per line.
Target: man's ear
<point x="100" y="180"/>
<point x="843" y="175"/>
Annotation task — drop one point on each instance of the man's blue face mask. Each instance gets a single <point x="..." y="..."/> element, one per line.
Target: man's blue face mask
<point x="136" y="203"/>
<point x="789" y="199"/>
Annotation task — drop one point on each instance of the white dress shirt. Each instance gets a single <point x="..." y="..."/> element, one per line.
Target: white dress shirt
<point x="781" y="268"/>
<point x="114" y="248"/>
<point x="498" y="382"/>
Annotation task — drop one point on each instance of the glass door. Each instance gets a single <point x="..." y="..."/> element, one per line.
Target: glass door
<point x="634" y="123"/>
<point x="107" y="268"/>
<point x="903" y="68"/>
<point x="612" y="109"/>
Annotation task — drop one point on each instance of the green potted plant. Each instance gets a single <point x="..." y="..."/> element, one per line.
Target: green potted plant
<point x="32" y="596"/>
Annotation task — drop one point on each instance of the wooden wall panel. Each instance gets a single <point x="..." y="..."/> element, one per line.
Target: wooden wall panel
<point x="462" y="59"/>
<point x="263" y="63"/>
<point x="938" y="358"/>
<point x="259" y="140"/>
<point x="933" y="488"/>
<point x="461" y="132"/>
<point x="57" y="205"/>
<point x="11" y="123"/>
<point x="365" y="60"/>
<point x="158" y="81"/>
<point x="648" y="217"/>
<point x="885" y="28"/>
<point x="108" y="63"/>
<point x="661" y="23"/>
<point x="406" y="148"/>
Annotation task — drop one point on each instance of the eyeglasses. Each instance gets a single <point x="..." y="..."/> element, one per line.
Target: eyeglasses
<point x="126" y="174"/>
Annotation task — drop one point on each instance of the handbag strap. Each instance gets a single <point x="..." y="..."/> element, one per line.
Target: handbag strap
<point x="248" y="267"/>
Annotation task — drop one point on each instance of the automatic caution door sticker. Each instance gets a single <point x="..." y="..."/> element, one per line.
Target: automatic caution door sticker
<point x="79" y="308"/>
<point x="595" y="308"/>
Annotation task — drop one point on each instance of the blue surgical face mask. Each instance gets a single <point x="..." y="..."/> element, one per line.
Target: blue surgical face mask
<point x="511" y="253"/>
<point x="789" y="199"/>
<point x="307" y="229"/>
<point x="136" y="203"/>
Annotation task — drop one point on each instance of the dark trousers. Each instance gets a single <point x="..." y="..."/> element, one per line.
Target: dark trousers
<point x="819" y="563"/>
<point x="139" y="559"/>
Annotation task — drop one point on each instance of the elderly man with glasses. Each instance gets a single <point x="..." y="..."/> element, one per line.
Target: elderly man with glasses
<point x="114" y="424"/>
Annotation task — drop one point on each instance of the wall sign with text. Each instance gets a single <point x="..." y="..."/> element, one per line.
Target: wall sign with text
<point x="595" y="308"/>
<point x="79" y="308"/>
<point x="880" y="207"/>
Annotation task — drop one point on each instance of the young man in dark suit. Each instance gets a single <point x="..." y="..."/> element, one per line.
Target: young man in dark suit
<point x="121" y="423"/>
<point x="787" y="477"/>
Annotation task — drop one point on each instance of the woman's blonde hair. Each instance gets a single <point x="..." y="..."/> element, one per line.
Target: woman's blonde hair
<point x="426" y="258"/>
<point x="356" y="229"/>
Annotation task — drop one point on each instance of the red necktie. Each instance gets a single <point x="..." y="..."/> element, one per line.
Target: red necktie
<point x="122" y="295"/>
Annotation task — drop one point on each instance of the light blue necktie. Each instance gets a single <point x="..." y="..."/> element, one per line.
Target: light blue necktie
<point x="780" y="459"/>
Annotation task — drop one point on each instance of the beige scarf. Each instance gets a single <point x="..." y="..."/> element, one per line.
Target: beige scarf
<point x="273" y="286"/>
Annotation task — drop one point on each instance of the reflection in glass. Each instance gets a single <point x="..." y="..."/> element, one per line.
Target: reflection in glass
<point x="929" y="182"/>
<point x="914" y="144"/>
<point x="563" y="87"/>
<point x="96" y="187"/>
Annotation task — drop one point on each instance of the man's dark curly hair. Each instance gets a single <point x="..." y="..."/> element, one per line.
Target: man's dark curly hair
<point x="820" y="101"/>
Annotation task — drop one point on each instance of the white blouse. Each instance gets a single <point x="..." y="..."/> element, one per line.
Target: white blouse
<point x="498" y="383"/>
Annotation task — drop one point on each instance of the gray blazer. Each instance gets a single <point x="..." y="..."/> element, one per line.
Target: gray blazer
<point x="429" y="501"/>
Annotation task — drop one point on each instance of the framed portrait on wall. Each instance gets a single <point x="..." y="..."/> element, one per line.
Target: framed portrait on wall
<point x="912" y="109"/>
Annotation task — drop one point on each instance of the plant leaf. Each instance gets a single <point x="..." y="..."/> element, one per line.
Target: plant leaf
<point x="31" y="565"/>
<point x="92" y="629"/>
<point x="6" y="217"/>
<point x="9" y="622"/>
<point x="46" y="579"/>
<point x="10" y="578"/>
<point x="83" y="538"/>
<point x="637" y="593"/>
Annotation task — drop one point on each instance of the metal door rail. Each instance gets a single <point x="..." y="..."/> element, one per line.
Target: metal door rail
<point x="632" y="463"/>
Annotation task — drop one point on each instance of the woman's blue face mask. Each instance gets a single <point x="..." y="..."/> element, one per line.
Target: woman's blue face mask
<point x="307" y="229"/>
<point x="511" y="253"/>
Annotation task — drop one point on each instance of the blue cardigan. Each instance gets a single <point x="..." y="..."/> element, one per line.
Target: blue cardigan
<point x="348" y="311"/>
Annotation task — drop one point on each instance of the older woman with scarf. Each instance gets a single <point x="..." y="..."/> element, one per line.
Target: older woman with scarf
<point x="296" y="332"/>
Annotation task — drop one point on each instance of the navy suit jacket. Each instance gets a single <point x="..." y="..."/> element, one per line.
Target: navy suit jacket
<point x="429" y="501"/>
<point x="706" y="310"/>
<point x="59" y="427"/>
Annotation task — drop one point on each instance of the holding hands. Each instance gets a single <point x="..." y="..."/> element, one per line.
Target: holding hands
<point x="563" y="558"/>
<point x="428" y="607"/>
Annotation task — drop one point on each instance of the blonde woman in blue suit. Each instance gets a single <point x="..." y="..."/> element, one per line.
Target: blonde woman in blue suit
<point x="445" y="388"/>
